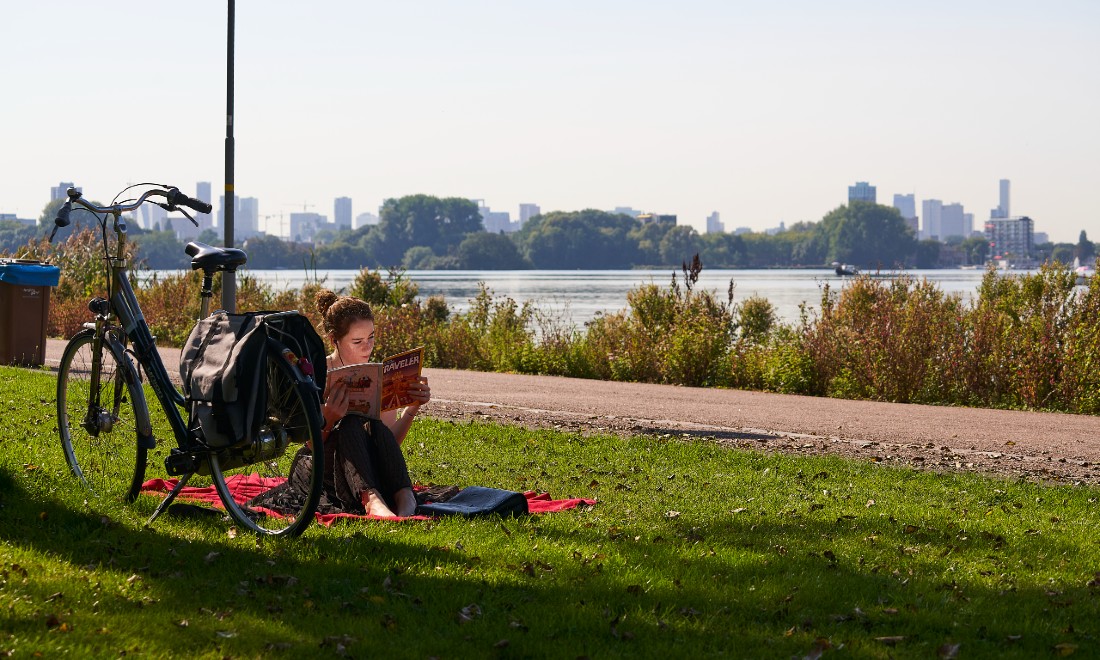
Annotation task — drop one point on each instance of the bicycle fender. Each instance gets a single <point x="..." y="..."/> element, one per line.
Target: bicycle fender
<point x="131" y="376"/>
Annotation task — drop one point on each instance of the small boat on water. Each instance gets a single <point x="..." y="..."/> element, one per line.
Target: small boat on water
<point x="845" y="269"/>
<point x="1083" y="272"/>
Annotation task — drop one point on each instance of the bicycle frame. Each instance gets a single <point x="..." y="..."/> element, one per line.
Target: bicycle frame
<point x="123" y="306"/>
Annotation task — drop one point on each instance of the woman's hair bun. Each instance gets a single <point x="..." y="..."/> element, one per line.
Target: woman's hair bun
<point x="325" y="299"/>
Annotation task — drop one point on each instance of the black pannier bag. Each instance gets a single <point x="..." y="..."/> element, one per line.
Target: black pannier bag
<point x="224" y="369"/>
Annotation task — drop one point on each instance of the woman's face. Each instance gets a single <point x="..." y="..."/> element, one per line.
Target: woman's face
<point x="357" y="344"/>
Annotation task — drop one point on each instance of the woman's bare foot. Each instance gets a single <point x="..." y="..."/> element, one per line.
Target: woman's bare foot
<point x="406" y="502"/>
<point x="375" y="505"/>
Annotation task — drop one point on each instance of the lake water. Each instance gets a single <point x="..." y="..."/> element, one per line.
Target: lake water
<point x="578" y="295"/>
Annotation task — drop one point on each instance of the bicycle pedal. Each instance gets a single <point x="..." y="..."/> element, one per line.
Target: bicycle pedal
<point x="180" y="462"/>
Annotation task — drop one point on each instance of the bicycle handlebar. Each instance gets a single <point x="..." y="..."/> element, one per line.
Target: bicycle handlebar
<point x="172" y="196"/>
<point x="176" y="198"/>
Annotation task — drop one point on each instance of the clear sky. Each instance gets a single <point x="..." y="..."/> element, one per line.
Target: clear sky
<point x="765" y="112"/>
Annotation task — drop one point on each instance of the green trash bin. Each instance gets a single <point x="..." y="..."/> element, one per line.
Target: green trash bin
<point x="25" y="310"/>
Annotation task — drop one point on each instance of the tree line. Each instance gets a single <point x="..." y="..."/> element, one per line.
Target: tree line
<point x="426" y="232"/>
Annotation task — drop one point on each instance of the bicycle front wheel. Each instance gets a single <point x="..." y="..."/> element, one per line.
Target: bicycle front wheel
<point x="276" y="495"/>
<point x="98" y="420"/>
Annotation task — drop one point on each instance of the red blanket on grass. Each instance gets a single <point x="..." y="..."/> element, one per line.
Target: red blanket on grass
<point x="246" y="487"/>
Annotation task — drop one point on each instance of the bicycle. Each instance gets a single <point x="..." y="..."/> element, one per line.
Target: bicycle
<point x="103" y="416"/>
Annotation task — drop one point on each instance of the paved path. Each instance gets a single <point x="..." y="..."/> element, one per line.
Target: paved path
<point x="1046" y="446"/>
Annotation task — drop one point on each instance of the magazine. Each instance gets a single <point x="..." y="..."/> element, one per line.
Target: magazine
<point x="375" y="387"/>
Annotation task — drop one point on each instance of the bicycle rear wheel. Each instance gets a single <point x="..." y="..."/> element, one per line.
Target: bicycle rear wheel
<point x="98" y="420"/>
<point x="259" y="495"/>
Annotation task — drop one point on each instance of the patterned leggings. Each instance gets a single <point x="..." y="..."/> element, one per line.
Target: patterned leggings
<point x="360" y="454"/>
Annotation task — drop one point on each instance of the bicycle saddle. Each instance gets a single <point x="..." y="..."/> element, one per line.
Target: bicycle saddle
<point x="210" y="259"/>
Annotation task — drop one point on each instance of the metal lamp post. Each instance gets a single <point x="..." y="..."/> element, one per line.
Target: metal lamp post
<point x="229" y="280"/>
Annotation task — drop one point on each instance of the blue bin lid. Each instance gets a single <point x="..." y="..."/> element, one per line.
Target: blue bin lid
<point x="29" y="273"/>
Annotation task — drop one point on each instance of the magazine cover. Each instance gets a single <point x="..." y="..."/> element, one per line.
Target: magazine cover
<point x="375" y="387"/>
<point x="364" y="383"/>
<point x="398" y="371"/>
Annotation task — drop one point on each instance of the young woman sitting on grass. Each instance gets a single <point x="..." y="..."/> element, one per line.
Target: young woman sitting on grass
<point x="365" y="471"/>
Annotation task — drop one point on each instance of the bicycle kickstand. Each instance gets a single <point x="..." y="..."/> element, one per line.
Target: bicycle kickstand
<point x="163" y="506"/>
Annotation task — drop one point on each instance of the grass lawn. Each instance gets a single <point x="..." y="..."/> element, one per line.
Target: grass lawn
<point x="692" y="551"/>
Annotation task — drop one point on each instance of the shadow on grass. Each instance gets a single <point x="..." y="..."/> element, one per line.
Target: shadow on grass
<point x="772" y="587"/>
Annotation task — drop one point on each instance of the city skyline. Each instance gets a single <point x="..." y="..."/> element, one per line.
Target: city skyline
<point x="763" y="114"/>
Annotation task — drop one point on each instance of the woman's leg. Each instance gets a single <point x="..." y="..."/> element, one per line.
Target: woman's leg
<point x="405" y="501"/>
<point x="353" y="469"/>
<point x="369" y="469"/>
<point x="391" y="471"/>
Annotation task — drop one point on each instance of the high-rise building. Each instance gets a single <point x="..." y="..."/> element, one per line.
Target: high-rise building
<point x="528" y="211"/>
<point x="1011" y="238"/>
<point x="714" y="224"/>
<point x="221" y="214"/>
<point x="862" y="192"/>
<point x="931" y="218"/>
<point x="906" y="205"/>
<point x="202" y="192"/>
<point x="60" y="190"/>
<point x="953" y="222"/>
<point x="246" y="216"/>
<point x="341" y="213"/>
<point x="365" y="219"/>
<point x="151" y="216"/>
<point x="304" y="225"/>
<point x="495" y="221"/>
<point x="246" y="222"/>
<point x="1003" y="210"/>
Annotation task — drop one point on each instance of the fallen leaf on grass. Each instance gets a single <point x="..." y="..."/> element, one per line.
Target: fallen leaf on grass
<point x="672" y="514"/>
<point x="818" y="649"/>
<point x="338" y="640"/>
<point x="890" y="640"/>
<point x="211" y="557"/>
<point x="469" y="613"/>
<point x="1065" y="648"/>
<point x="226" y="634"/>
<point x="948" y="651"/>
